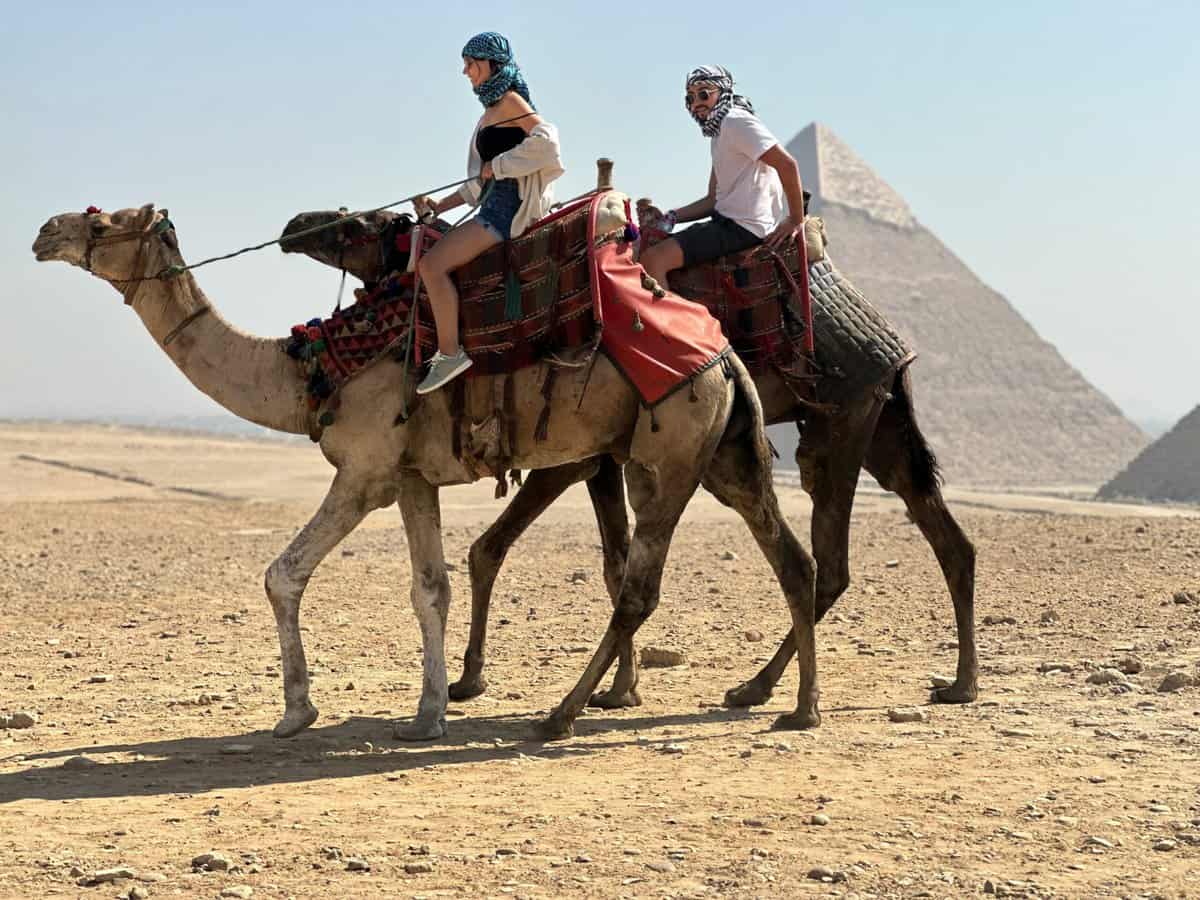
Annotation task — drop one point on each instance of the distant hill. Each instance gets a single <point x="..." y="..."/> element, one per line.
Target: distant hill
<point x="225" y="424"/>
<point x="1169" y="469"/>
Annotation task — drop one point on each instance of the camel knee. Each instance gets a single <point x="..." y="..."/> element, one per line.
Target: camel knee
<point x="799" y="579"/>
<point x="432" y="579"/>
<point x="829" y="589"/>
<point x="831" y="585"/>
<point x="484" y="560"/>
<point x="431" y="589"/>
<point x="630" y="613"/>
<point x="967" y="554"/>
<point x="282" y="584"/>
<point x="614" y="575"/>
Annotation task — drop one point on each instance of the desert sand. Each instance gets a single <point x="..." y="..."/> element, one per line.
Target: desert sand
<point x="136" y="632"/>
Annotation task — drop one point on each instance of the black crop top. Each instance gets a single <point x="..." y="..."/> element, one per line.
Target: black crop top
<point x="495" y="139"/>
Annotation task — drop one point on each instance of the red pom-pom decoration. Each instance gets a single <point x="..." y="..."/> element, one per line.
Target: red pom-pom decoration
<point x="92" y="210"/>
<point x="314" y="334"/>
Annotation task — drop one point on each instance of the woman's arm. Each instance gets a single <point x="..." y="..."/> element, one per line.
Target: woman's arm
<point x="449" y="202"/>
<point x="425" y="204"/>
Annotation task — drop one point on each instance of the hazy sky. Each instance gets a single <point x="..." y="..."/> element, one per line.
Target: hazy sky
<point x="1054" y="147"/>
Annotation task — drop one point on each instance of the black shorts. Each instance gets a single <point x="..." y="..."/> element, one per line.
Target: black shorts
<point x="708" y="240"/>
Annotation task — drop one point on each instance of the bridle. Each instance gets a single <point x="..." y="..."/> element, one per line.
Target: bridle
<point x="143" y="232"/>
<point x="385" y="241"/>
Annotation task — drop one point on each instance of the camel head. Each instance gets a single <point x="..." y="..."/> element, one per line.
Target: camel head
<point x="109" y="245"/>
<point x="363" y="245"/>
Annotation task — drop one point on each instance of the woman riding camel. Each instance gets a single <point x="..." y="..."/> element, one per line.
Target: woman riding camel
<point x="515" y="156"/>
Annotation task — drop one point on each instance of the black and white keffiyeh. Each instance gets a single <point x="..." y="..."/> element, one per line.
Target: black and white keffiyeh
<point x="710" y="125"/>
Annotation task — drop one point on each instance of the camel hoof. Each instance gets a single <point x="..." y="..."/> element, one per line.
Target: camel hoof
<point x="749" y="694"/>
<point x="553" y="728"/>
<point x="797" y="721"/>
<point x="955" y="693"/>
<point x="419" y="730"/>
<point x="466" y="688"/>
<point x="610" y="700"/>
<point x="295" y="721"/>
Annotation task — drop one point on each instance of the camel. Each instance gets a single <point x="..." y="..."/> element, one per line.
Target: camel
<point x="876" y="430"/>
<point x="716" y="438"/>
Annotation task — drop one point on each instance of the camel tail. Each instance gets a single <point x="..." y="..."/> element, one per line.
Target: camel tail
<point x="923" y="465"/>
<point x="748" y="423"/>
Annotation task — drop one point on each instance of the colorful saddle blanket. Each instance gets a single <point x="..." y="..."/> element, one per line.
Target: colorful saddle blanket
<point x="759" y="296"/>
<point x="755" y="297"/>
<point x="558" y="287"/>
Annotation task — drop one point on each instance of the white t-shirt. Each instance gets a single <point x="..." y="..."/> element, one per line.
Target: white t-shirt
<point x="748" y="191"/>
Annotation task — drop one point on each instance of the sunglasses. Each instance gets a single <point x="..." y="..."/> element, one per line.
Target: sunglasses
<point x="702" y="95"/>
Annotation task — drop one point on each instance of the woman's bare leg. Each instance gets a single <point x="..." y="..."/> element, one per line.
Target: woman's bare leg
<point x="458" y="247"/>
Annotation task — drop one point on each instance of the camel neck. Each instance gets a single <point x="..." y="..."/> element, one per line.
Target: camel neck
<point x="250" y="376"/>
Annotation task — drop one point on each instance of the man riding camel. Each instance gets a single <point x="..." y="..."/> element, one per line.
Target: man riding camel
<point x="751" y="175"/>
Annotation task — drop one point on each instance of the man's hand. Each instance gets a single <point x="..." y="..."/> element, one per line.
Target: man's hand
<point x="785" y="232"/>
<point x="486" y="172"/>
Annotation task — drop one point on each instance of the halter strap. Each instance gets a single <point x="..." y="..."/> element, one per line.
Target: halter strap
<point x="143" y="232"/>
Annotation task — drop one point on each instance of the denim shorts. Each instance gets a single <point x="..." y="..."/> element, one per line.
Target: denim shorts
<point x="500" y="207"/>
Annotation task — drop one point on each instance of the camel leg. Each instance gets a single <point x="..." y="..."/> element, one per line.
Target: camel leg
<point x="541" y="488"/>
<point x="343" y="508"/>
<point x="422" y="516"/>
<point x="833" y="479"/>
<point x="901" y="461"/>
<point x="608" y="500"/>
<point x="735" y="478"/>
<point x="658" y="501"/>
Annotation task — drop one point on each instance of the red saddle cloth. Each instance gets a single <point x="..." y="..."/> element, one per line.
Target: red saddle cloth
<point x="559" y="286"/>
<point x="657" y="342"/>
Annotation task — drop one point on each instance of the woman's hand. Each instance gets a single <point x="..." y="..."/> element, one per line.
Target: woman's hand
<point x="486" y="174"/>
<point x="424" y="206"/>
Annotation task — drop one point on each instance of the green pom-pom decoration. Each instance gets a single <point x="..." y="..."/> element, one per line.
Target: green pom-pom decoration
<point x="327" y="419"/>
<point x="318" y="346"/>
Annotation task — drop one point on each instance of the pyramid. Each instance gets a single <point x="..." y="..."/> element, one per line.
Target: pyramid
<point x="1169" y="469"/>
<point x="999" y="404"/>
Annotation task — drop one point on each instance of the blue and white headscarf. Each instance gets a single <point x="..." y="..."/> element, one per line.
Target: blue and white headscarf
<point x="721" y="77"/>
<point x="506" y="74"/>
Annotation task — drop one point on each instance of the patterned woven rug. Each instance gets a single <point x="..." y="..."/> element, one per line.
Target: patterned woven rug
<point x="559" y="287"/>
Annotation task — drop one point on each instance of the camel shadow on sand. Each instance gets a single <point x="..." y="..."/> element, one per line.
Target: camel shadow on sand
<point x="190" y="765"/>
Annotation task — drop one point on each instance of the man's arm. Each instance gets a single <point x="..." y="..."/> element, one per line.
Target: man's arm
<point x="702" y="207"/>
<point x="789" y="174"/>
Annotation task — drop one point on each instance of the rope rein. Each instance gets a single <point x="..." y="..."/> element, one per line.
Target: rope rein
<point x="172" y="271"/>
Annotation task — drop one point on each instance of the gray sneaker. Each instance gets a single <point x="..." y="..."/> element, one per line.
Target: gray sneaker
<point x="444" y="369"/>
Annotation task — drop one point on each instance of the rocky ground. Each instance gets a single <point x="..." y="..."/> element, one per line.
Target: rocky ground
<point x="139" y="678"/>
